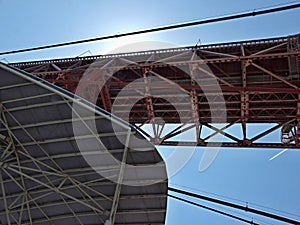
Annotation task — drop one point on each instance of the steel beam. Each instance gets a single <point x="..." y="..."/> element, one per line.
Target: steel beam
<point x="255" y="77"/>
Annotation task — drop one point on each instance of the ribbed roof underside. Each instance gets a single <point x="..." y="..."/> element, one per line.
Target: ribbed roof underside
<point x="50" y="177"/>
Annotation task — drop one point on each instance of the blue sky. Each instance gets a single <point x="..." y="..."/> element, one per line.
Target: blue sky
<point x="246" y="175"/>
<point x="33" y="23"/>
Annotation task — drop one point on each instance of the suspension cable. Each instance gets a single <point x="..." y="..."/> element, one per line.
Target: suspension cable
<point x="213" y="210"/>
<point x="232" y="205"/>
<point x="163" y="28"/>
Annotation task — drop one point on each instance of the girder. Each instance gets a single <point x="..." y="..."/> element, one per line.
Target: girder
<point x="259" y="82"/>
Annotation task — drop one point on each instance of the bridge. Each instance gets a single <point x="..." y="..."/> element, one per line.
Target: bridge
<point x="197" y="88"/>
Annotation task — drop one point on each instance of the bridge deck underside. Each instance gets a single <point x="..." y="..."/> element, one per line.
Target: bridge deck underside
<point x="232" y="83"/>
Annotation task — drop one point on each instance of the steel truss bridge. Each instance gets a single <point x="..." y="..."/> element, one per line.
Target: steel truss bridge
<point x="215" y="87"/>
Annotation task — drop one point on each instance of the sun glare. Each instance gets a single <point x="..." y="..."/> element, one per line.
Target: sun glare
<point x="134" y="44"/>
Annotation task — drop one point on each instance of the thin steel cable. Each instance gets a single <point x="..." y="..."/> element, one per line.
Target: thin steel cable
<point x="163" y="28"/>
<point x="213" y="210"/>
<point x="232" y="205"/>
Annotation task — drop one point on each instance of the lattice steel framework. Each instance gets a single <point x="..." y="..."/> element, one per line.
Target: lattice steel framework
<point x="46" y="176"/>
<point x="259" y="80"/>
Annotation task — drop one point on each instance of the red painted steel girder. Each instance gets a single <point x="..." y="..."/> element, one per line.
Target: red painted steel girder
<point x="258" y="82"/>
